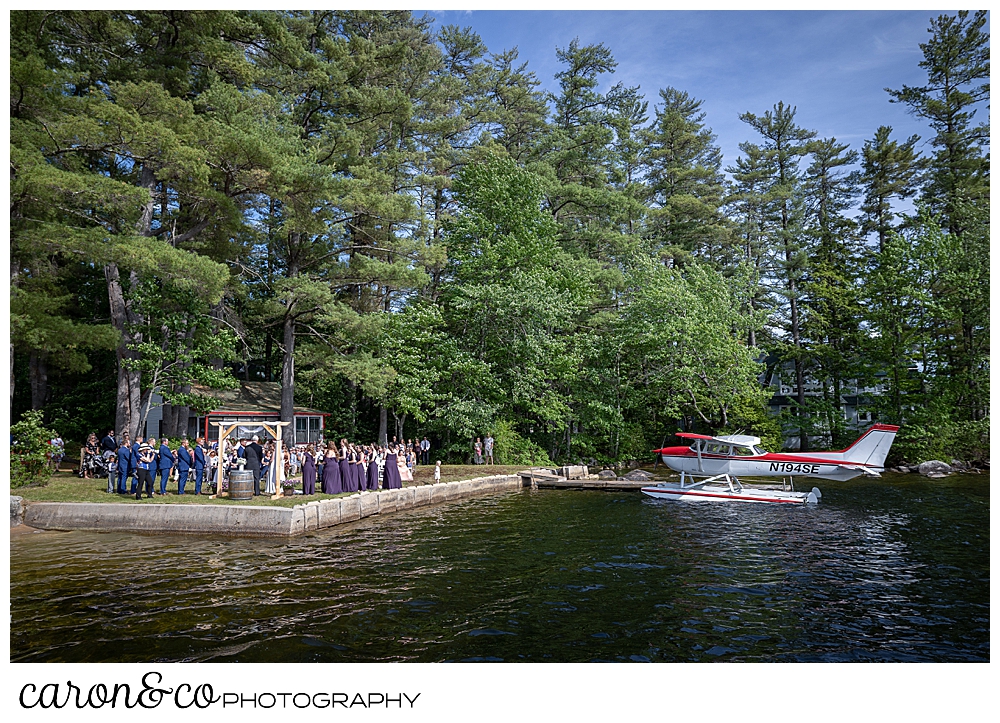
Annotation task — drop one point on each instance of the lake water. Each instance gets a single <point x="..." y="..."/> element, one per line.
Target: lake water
<point x="888" y="570"/>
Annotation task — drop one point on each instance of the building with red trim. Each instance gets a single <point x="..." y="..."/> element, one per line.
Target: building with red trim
<point x="251" y="402"/>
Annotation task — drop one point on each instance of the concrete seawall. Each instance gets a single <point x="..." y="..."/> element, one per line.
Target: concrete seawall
<point x="254" y="521"/>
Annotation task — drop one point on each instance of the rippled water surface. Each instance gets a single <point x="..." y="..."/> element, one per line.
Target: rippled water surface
<point x="892" y="570"/>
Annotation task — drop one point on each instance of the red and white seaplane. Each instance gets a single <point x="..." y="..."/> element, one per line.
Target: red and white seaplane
<point x="721" y="461"/>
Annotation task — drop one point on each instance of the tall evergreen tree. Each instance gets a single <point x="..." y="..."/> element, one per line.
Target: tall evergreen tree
<point x="786" y="144"/>
<point x="890" y="171"/>
<point x="685" y="181"/>
<point x="956" y="60"/>
<point x="832" y="310"/>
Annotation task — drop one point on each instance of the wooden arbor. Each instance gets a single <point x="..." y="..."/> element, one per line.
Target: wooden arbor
<point x="274" y="429"/>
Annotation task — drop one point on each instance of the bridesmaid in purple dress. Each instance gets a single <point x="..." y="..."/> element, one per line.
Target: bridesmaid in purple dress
<point x="309" y="472"/>
<point x="359" y="468"/>
<point x="352" y="470"/>
<point x="362" y="469"/>
<point x="392" y="478"/>
<point x="332" y="484"/>
<point x="345" y="466"/>
<point x="372" y="470"/>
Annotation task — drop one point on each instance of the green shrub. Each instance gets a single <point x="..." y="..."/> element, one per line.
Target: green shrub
<point x="920" y="441"/>
<point x="29" y="452"/>
<point x="509" y="447"/>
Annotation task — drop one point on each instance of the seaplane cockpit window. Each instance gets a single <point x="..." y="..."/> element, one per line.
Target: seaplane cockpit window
<point x="716" y="448"/>
<point x="743" y="451"/>
<point x="758" y="450"/>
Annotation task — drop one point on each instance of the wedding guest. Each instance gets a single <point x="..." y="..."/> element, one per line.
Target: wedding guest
<point x="345" y="467"/>
<point x="404" y="471"/>
<point x="392" y="478"/>
<point x="90" y="450"/>
<point x="332" y="477"/>
<point x="124" y="465"/>
<point x="165" y="462"/>
<point x="488" y="448"/>
<point x="373" y="468"/>
<point x="145" y="464"/>
<point x="351" y="483"/>
<point x="185" y="461"/>
<point x="134" y="462"/>
<point x="362" y="468"/>
<point x="254" y="454"/>
<point x="309" y="471"/>
<point x="199" y="463"/>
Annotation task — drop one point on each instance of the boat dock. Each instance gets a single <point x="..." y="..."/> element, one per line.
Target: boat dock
<point x="571" y="479"/>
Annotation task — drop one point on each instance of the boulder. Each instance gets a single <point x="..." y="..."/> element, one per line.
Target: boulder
<point x="607" y="474"/>
<point x="639" y="475"/>
<point x="958" y="465"/>
<point x="16" y="510"/>
<point x="903" y="469"/>
<point x="934" y="467"/>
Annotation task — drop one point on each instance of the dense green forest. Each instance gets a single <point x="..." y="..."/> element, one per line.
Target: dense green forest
<point x="404" y="230"/>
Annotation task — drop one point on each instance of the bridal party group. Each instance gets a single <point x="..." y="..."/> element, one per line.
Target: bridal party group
<point x="353" y="468"/>
<point x="329" y="468"/>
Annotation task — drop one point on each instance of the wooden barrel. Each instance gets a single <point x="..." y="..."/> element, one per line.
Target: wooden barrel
<point x="240" y="484"/>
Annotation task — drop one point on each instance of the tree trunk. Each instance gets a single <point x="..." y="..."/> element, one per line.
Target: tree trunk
<point x="128" y="394"/>
<point x="124" y="319"/>
<point x="288" y="360"/>
<point x="182" y="411"/>
<point x="353" y="431"/>
<point x="288" y="384"/>
<point x="39" y="379"/>
<point x="168" y="420"/>
<point x="268" y="353"/>
<point x="383" y="425"/>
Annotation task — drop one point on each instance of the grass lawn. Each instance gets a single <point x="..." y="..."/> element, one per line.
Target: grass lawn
<point x="67" y="487"/>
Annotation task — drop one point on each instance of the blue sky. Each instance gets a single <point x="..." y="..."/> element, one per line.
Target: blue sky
<point x="831" y="65"/>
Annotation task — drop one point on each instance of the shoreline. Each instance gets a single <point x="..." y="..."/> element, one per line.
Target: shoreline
<point x="250" y="521"/>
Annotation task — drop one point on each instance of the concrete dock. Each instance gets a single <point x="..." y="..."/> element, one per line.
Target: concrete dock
<point x="253" y="521"/>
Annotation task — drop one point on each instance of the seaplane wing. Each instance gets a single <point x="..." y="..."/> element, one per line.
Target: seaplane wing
<point x="737" y="454"/>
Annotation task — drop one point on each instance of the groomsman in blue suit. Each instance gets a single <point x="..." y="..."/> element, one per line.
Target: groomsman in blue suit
<point x="184" y="463"/>
<point x="165" y="462"/>
<point x="124" y="465"/>
<point x="199" y="463"/>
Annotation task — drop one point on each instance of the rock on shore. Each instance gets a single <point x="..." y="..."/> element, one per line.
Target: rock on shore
<point x="934" y="468"/>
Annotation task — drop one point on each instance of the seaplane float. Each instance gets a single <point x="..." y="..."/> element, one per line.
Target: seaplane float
<point x="711" y="467"/>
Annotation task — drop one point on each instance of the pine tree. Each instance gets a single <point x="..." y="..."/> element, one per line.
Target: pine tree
<point x="685" y="182"/>
<point x="890" y="172"/>
<point x="832" y="310"/>
<point x="785" y="145"/>
<point x="956" y="59"/>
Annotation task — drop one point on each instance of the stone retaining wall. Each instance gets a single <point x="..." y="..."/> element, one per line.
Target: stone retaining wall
<point x="16" y="510"/>
<point x="253" y="521"/>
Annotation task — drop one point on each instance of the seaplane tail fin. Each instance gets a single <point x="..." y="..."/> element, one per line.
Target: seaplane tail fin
<point x="873" y="446"/>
